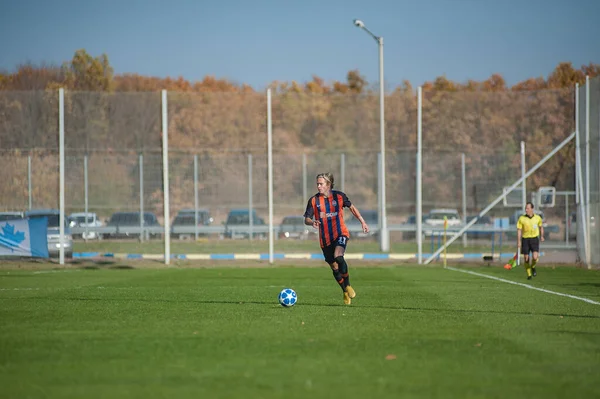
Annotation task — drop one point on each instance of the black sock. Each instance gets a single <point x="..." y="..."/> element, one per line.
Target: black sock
<point x="343" y="269"/>
<point x="339" y="278"/>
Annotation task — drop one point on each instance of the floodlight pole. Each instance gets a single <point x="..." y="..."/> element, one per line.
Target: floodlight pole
<point x="523" y="171"/>
<point x="383" y="231"/>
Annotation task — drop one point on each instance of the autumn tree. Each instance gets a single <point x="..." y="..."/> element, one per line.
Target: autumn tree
<point x="339" y="87"/>
<point x="441" y="83"/>
<point x="223" y="122"/>
<point x="494" y="83"/>
<point x="356" y="82"/>
<point x="31" y="77"/>
<point x="4" y="79"/>
<point x="591" y="70"/>
<point x="564" y="75"/>
<point x="317" y="86"/>
<point x="471" y="85"/>
<point x="530" y="84"/>
<point x="87" y="73"/>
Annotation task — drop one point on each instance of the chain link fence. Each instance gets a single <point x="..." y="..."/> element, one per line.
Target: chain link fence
<point x="589" y="149"/>
<point x="218" y="151"/>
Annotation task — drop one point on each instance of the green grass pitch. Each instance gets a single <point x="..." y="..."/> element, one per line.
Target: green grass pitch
<point x="181" y="332"/>
<point x="262" y="246"/>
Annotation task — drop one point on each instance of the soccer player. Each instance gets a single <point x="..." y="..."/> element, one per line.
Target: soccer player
<point x="529" y="233"/>
<point x="324" y="212"/>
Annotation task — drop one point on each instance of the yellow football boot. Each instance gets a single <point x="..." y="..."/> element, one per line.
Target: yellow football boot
<point x="351" y="292"/>
<point x="347" y="299"/>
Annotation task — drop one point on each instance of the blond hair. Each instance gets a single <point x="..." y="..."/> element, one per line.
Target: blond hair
<point x="328" y="177"/>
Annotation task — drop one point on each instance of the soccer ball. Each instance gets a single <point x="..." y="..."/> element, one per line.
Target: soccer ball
<point x="288" y="297"/>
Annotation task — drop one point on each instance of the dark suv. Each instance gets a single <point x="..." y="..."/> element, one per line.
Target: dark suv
<point x="128" y="225"/>
<point x="183" y="226"/>
<point x="238" y="224"/>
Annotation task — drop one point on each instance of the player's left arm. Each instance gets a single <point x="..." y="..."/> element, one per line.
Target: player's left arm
<point x="541" y="225"/>
<point x="355" y="212"/>
<point x="359" y="217"/>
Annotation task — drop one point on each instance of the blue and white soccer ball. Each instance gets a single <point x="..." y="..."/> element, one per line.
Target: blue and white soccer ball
<point x="288" y="297"/>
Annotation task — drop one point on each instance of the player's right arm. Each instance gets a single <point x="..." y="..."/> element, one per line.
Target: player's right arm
<point x="312" y="222"/>
<point x="309" y="214"/>
<point x="519" y="232"/>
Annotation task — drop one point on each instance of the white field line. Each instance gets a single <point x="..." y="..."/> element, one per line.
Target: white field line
<point x="524" y="285"/>
<point x="55" y="271"/>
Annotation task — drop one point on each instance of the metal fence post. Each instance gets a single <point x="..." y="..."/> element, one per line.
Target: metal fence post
<point x="141" y="166"/>
<point x="29" y="180"/>
<point x="61" y="150"/>
<point x="250" y="204"/>
<point x="464" y="194"/>
<point x="165" y="159"/>
<point x="196" y="197"/>
<point x="85" y="193"/>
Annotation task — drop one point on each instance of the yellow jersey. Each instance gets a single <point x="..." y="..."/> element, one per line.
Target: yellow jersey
<point x="530" y="226"/>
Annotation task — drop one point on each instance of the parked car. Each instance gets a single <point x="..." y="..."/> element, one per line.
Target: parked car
<point x="412" y="220"/>
<point x="370" y="216"/>
<point x="53" y="216"/>
<point x="186" y="220"/>
<point x="128" y="223"/>
<point x="294" y="227"/>
<point x="238" y="223"/>
<point x="83" y="220"/>
<point x="435" y="219"/>
<point x="11" y="215"/>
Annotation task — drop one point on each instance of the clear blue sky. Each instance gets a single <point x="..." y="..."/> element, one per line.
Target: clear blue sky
<point x="259" y="41"/>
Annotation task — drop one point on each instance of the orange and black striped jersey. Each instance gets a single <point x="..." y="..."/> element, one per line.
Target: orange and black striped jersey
<point x="328" y="211"/>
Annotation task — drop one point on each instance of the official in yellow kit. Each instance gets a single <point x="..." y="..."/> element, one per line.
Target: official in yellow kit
<point x="530" y="232"/>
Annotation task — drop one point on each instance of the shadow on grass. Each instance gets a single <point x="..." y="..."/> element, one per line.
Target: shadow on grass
<point x="487" y="312"/>
<point x="596" y="285"/>
<point x="465" y="311"/>
<point x="78" y="262"/>
<point x="325" y="305"/>
<point x="101" y="265"/>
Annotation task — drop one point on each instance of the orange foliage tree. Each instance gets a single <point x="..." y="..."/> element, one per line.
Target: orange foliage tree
<point x="223" y="122"/>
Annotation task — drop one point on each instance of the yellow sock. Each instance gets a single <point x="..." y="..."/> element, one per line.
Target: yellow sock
<point x="528" y="268"/>
<point x="533" y="263"/>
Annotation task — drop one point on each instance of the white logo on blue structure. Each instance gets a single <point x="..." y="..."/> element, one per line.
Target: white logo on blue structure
<point x="10" y="238"/>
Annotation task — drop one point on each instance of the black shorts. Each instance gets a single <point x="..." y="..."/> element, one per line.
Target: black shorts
<point x="329" y="251"/>
<point x="530" y="245"/>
